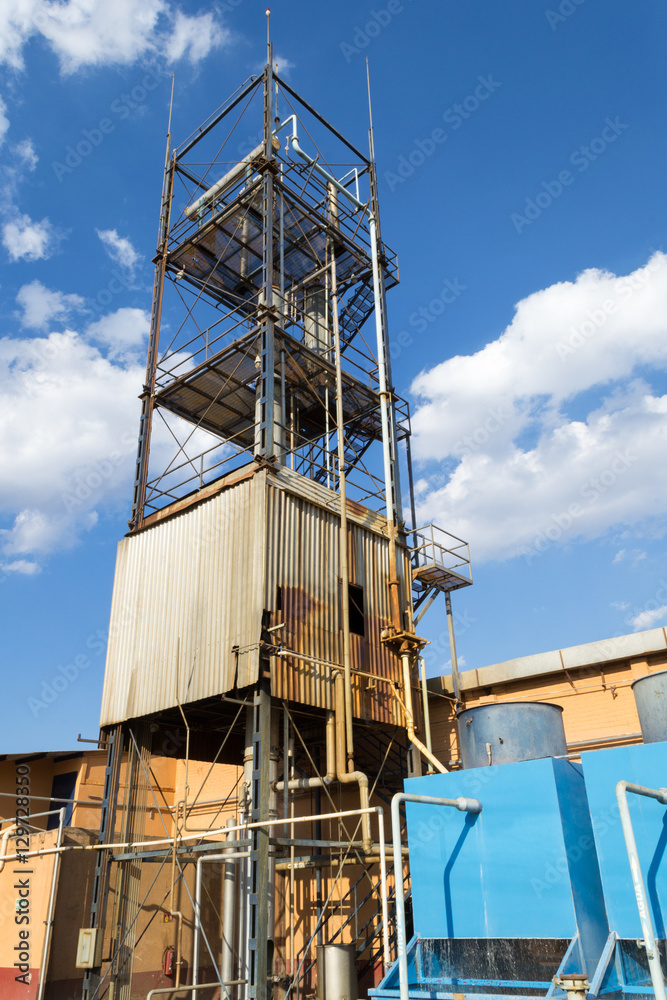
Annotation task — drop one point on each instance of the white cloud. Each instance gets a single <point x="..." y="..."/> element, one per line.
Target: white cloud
<point x="193" y="37"/>
<point x="521" y="473"/>
<point x="647" y="619"/>
<point x="41" y="305"/>
<point x="69" y="416"/>
<point x="119" y="248"/>
<point x="26" y="152"/>
<point x="95" y="32"/>
<point x="21" y="566"/>
<point x="68" y="420"/>
<point x="4" y="121"/>
<point x="27" y="240"/>
<point x="633" y="556"/>
<point x="122" y="331"/>
<point x="282" y="65"/>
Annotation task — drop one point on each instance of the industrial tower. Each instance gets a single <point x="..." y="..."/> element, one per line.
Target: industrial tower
<point x="265" y="597"/>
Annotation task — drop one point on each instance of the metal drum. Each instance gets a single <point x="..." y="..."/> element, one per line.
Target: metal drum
<point x="651" y="700"/>
<point x="337" y="972"/>
<point x="510" y="731"/>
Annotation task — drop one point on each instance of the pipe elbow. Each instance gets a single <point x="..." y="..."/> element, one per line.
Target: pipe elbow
<point x="468" y="805"/>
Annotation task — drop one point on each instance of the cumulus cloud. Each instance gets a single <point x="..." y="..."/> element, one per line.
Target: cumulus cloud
<point x="649" y="619"/>
<point x="26" y="153"/>
<point x="67" y="437"/>
<point x="119" y="248"/>
<point x="24" y="567"/>
<point x="193" y="37"/>
<point x="41" y="305"/>
<point x="95" y="33"/>
<point x="518" y="470"/>
<point x="68" y="434"/>
<point x="121" y="332"/>
<point x="4" y="121"/>
<point x="26" y="240"/>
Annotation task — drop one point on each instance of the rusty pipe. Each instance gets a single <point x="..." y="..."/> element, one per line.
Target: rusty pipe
<point x="342" y="488"/>
<point x="409" y="717"/>
<point x="351" y="777"/>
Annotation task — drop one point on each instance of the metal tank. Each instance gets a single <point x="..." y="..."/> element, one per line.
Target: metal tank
<point x="337" y="972"/>
<point x="510" y="731"/>
<point x="651" y="699"/>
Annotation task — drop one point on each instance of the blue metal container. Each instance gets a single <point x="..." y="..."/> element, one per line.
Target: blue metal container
<point x="510" y="731"/>
<point x="651" y="699"/>
<point x="642" y="765"/>
<point x="524" y="868"/>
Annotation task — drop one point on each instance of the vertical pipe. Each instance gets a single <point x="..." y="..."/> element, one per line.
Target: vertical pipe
<point x="244" y="895"/>
<point x="342" y="489"/>
<point x="409" y="716"/>
<point x="52" y="899"/>
<point x="285" y="768"/>
<point x="318" y="870"/>
<point x="197" y="927"/>
<point x="291" y="877"/>
<point x="652" y="953"/>
<point x="228" y="911"/>
<point x="452" y="650"/>
<point x="463" y="805"/>
<point x="427" y="714"/>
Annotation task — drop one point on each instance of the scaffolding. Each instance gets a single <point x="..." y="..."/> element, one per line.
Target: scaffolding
<point x="264" y="395"/>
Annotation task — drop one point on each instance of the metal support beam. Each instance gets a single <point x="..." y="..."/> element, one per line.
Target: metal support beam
<point x="260" y="935"/>
<point x="102" y="861"/>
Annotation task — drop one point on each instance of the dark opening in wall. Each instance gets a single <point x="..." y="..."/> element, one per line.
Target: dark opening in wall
<point x="356" y="609"/>
<point x="62" y="788"/>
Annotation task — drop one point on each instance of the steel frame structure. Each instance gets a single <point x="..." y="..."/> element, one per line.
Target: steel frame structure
<point x="258" y="354"/>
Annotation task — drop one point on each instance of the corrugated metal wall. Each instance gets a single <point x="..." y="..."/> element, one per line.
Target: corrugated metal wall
<point x="185" y="593"/>
<point x="189" y="594"/>
<point x="304" y="563"/>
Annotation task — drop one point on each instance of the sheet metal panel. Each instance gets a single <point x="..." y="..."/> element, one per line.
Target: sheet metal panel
<point x="186" y="592"/>
<point x="644" y="764"/>
<point x="303" y="561"/>
<point x="525" y="867"/>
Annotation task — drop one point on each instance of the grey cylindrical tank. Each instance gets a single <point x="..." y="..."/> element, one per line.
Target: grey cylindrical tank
<point x="510" y="731"/>
<point x="651" y="700"/>
<point x="337" y="972"/>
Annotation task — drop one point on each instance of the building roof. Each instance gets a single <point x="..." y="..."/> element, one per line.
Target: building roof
<point x="557" y="661"/>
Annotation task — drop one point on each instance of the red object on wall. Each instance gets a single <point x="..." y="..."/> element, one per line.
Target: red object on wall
<point x="168" y="962"/>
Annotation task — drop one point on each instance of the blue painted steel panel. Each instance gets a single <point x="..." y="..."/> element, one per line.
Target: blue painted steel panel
<point x="645" y="764"/>
<point x="525" y="867"/>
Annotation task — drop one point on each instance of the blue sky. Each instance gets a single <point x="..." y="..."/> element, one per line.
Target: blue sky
<point x="521" y="156"/>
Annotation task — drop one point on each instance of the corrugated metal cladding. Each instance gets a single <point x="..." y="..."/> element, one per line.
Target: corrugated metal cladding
<point x="185" y="593"/>
<point x="190" y="592"/>
<point x="303" y="561"/>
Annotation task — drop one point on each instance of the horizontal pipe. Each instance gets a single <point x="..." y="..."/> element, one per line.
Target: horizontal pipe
<point x="227" y="180"/>
<point x="300" y="784"/>
<point x="341" y="814"/>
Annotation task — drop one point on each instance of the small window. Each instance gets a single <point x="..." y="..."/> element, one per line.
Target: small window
<point x="356" y="609"/>
<point x="279" y="598"/>
<point x="62" y="788"/>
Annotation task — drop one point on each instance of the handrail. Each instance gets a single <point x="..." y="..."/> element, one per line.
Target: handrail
<point x="460" y="803"/>
<point x="652" y="953"/>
